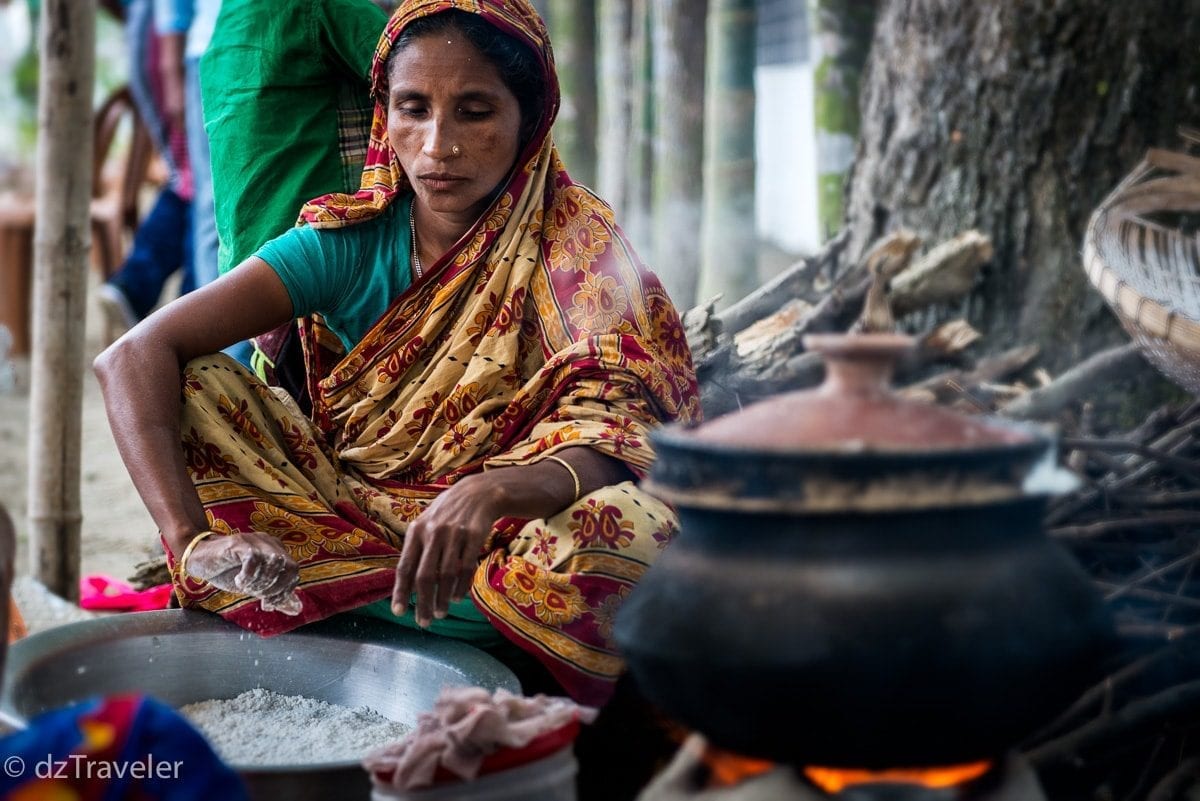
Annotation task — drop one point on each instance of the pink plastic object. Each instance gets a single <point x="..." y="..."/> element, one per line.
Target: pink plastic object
<point x="101" y="593"/>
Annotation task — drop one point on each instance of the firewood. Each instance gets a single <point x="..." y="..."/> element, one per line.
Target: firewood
<point x="1136" y="468"/>
<point x="943" y="275"/>
<point x="1176" y="784"/>
<point x="702" y="328"/>
<point x="1187" y="466"/>
<point x="883" y="263"/>
<point x="1150" y="575"/>
<point x="947" y="386"/>
<point x="795" y="282"/>
<point x="773" y="333"/>
<point x="1113" y="525"/>
<point x="1086" y="377"/>
<point x="948" y="340"/>
<point x="150" y="573"/>
<point x="1179" y="703"/>
<point x="755" y="348"/>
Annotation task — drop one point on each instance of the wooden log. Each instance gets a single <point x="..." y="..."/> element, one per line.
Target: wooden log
<point x="62" y="238"/>
<point x="943" y="275"/>
<point x="1178" y="784"/>
<point x="150" y="573"/>
<point x="1151" y="575"/>
<point x="883" y="264"/>
<point x="797" y="281"/>
<point x="737" y="365"/>
<point x="1136" y="468"/>
<point x="1122" y="446"/>
<point x="1122" y="524"/>
<point x="944" y="387"/>
<point x="703" y="330"/>
<point x="1178" y="703"/>
<point x="1087" y="377"/>
<point x="948" y="340"/>
<point x="1165" y="598"/>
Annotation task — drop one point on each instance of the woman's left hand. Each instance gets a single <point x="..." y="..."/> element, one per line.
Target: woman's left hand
<point x="442" y="547"/>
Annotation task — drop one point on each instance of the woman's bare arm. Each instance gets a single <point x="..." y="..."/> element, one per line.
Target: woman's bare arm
<point x="140" y="379"/>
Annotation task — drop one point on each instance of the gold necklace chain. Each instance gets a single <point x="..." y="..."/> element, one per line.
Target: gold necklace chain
<point x="412" y="226"/>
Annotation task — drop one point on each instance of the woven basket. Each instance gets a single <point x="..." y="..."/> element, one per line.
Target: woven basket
<point x="1139" y="255"/>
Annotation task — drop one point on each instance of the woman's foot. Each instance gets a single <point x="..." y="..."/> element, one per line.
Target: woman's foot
<point x="118" y="311"/>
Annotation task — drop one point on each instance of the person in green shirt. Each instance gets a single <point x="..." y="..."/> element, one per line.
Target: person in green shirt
<point x="285" y="91"/>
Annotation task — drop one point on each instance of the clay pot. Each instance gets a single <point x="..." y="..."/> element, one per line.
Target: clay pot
<point x="861" y="581"/>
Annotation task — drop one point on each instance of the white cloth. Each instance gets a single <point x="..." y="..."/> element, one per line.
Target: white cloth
<point x="467" y="724"/>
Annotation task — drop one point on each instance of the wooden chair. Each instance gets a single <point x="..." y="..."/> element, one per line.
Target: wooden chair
<point x="119" y="174"/>
<point x="118" y="177"/>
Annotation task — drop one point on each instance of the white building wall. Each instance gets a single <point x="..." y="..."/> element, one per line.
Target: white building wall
<point x="786" y="180"/>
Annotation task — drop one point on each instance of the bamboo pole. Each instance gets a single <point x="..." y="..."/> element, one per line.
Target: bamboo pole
<point x="844" y="29"/>
<point x="614" y="37"/>
<point x="640" y="162"/>
<point x="679" y="28"/>
<point x="730" y="243"/>
<point x="573" y="31"/>
<point x="62" y="238"/>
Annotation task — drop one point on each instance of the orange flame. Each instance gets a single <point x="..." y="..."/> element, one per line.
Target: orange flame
<point x="727" y="768"/>
<point x="835" y="780"/>
<point x="16" y="623"/>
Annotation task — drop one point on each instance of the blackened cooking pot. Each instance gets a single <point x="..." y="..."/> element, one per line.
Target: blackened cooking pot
<point x="859" y="603"/>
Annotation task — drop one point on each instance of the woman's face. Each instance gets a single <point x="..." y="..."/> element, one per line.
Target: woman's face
<point x="453" y="123"/>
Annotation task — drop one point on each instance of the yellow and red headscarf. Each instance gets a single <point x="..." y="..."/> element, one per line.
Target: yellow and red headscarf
<point x="383" y="179"/>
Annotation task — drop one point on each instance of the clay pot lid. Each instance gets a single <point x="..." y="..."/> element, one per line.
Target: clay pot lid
<point x="854" y="410"/>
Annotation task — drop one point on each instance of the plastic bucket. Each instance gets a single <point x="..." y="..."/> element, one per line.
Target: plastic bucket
<point x="551" y="778"/>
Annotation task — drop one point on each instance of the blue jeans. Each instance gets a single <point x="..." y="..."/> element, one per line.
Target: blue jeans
<point x="204" y="215"/>
<point x="162" y="245"/>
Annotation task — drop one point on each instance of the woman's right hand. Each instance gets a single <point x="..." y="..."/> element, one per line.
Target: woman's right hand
<point x="249" y="564"/>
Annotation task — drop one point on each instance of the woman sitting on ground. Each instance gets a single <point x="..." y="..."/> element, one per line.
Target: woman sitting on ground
<point x="485" y="356"/>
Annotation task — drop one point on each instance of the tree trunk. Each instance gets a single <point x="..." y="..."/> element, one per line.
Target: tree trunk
<point x="679" y="33"/>
<point x="1017" y="118"/>
<point x="614" y="35"/>
<point x="640" y="164"/>
<point x="62" y="238"/>
<point x="844" y="33"/>
<point x="730" y="243"/>
<point x="573" y="32"/>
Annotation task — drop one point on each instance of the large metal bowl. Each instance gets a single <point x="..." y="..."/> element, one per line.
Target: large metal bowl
<point x="180" y="657"/>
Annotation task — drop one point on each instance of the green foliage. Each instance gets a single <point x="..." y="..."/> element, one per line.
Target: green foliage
<point x="835" y="106"/>
<point x="25" y="77"/>
<point x="830" y="188"/>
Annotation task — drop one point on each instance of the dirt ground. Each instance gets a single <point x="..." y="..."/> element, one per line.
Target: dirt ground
<point x="117" y="532"/>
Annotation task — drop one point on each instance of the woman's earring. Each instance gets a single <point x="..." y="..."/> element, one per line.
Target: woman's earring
<point x="456" y="150"/>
